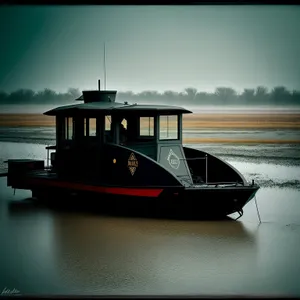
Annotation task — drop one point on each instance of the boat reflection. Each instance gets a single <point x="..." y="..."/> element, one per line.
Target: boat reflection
<point x="94" y="253"/>
<point x="148" y="256"/>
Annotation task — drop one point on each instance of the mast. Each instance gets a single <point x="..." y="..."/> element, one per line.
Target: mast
<point x="104" y="68"/>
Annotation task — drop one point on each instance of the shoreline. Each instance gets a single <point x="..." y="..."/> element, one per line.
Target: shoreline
<point x="190" y="141"/>
<point x="192" y="121"/>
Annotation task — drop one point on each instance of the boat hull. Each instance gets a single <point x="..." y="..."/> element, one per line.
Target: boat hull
<point x="214" y="201"/>
<point x="178" y="201"/>
<point x="185" y="203"/>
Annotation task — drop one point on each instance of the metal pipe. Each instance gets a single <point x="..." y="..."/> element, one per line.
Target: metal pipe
<point x="104" y="68"/>
<point x="222" y="183"/>
<point x="258" y="214"/>
<point x="167" y="126"/>
<point x="206" y="167"/>
<point x="193" y="158"/>
<point x="47" y="158"/>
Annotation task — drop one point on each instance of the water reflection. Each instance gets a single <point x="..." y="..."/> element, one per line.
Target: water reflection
<point x="96" y="254"/>
<point x="52" y="251"/>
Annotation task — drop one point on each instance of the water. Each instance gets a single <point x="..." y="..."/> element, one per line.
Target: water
<point x="46" y="251"/>
<point x="46" y="135"/>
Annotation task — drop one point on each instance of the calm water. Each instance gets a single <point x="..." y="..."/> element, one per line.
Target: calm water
<point x="44" y="251"/>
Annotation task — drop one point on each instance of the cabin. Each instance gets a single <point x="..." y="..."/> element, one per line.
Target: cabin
<point x="87" y="134"/>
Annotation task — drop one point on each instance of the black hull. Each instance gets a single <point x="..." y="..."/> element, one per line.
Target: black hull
<point x="161" y="199"/>
<point x="195" y="203"/>
<point x="218" y="201"/>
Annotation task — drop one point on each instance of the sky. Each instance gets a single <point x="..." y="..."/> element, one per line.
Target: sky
<point x="149" y="47"/>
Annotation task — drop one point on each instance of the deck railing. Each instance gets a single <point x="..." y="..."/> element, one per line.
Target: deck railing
<point x="233" y="183"/>
<point x="48" y="159"/>
<point x="197" y="158"/>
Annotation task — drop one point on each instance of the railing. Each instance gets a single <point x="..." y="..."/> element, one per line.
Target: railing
<point x="230" y="183"/>
<point x="216" y="184"/>
<point x="206" y="163"/>
<point x="48" y="160"/>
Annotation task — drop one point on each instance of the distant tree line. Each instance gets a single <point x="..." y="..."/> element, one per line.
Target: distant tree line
<point x="279" y="95"/>
<point x="47" y="96"/>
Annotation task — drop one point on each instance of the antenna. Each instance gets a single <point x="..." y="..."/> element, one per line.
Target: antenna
<point x="104" y="68"/>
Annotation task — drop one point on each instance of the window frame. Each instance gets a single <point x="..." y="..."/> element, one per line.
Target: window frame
<point x="87" y="126"/>
<point x="177" y="126"/>
<point x="151" y="127"/>
<point x="69" y="128"/>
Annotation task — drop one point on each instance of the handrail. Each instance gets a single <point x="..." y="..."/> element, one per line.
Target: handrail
<point x="52" y="147"/>
<point x="193" y="158"/>
<point x="48" y="148"/>
<point x="206" y="163"/>
<point x="219" y="183"/>
<point x="216" y="184"/>
<point x="47" y="161"/>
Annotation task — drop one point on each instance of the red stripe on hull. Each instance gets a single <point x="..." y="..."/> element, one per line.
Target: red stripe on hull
<point x="141" y="192"/>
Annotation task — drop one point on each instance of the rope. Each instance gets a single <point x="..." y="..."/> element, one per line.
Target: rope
<point x="257" y="209"/>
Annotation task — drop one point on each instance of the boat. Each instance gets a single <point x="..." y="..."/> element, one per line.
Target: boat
<point x="130" y="157"/>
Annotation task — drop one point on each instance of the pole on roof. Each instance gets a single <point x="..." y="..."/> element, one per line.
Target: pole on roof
<point x="104" y="68"/>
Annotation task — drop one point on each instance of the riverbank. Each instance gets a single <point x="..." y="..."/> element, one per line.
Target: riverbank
<point x="195" y="121"/>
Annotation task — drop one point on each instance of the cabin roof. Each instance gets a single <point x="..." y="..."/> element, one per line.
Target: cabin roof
<point x="109" y="107"/>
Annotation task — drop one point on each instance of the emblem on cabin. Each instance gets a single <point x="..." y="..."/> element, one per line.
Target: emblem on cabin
<point x="132" y="163"/>
<point x="173" y="160"/>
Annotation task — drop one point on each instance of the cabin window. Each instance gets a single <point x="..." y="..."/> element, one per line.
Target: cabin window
<point x="89" y="126"/>
<point x="108" y="132"/>
<point x="168" y="127"/>
<point x="124" y="123"/>
<point x="146" y="126"/>
<point x="107" y="123"/>
<point x="123" y="131"/>
<point x="69" y="128"/>
<point x="92" y="125"/>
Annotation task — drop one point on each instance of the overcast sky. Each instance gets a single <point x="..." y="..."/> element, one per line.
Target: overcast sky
<point x="149" y="47"/>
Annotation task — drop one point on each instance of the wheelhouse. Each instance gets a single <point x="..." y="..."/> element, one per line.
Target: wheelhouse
<point x="95" y="123"/>
<point x="83" y="132"/>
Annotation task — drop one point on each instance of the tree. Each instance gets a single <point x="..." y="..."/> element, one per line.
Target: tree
<point x="280" y="95"/>
<point x="3" y="97"/>
<point x="261" y="95"/>
<point x="21" y="96"/>
<point x="248" y="96"/>
<point x="225" y="95"/>
<point x="203" y="98"/>
<point x="191" y="94"/>
<point x="295" y="97"/>
<point x="46" y="96"/>
<point x="149" y="96"/>
<point x="170" y="97"/>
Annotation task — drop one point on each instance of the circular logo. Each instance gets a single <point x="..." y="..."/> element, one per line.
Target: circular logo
<point x="173" y="160"/>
